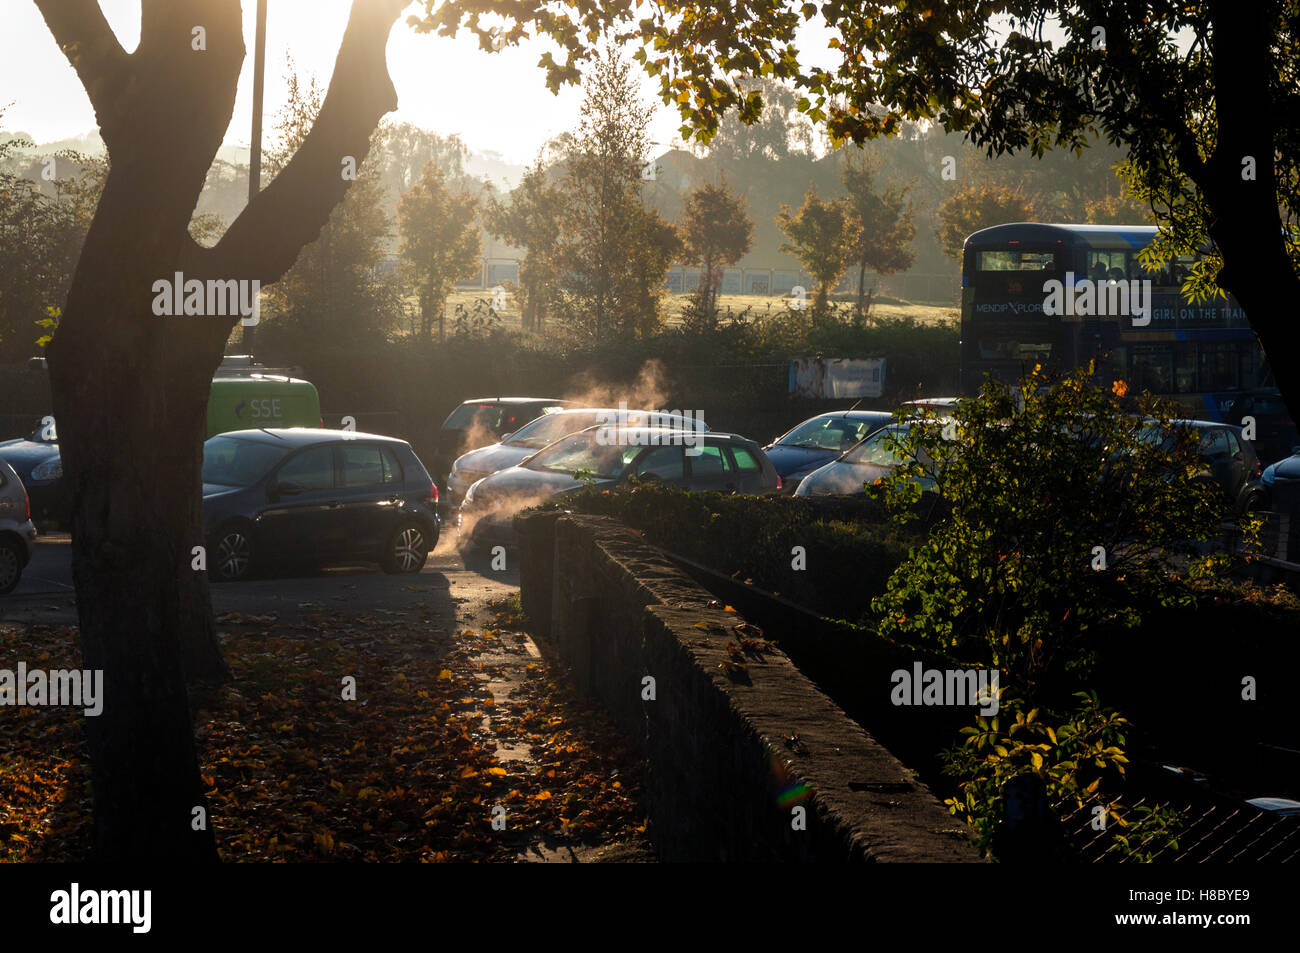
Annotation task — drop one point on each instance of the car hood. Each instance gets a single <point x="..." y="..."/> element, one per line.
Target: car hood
<point x="520" y="486"/>
<point x="1284" y="471"/>
<point x="791" y="460"/>
<point x="499" y="456"/>
<point x="840" y="478"/>
<point x="22" y="455"/>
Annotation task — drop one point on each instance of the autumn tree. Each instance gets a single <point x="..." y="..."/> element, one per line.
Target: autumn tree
<point x="975" y="207"/>
<point x="716" y="231"/>
<point x="887" y="225"/>
<point x="130" y="386"/>
<point x="334" y="292"/>
<point x="614" y="252"/>
<point x="822" y="235"/>
<point x="532" y="220"/>
<point x="441" y="243"/>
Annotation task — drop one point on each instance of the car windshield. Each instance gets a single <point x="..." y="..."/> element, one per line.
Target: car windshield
<point x="584" y="453"/>
<point x="827" y="433"/>
<point x="547" y="429"/>
<point x="231" y="462"/>
<point x="880" y="449"/>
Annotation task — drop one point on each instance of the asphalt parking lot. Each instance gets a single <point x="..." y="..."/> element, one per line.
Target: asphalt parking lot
<point x="46" y="594"/>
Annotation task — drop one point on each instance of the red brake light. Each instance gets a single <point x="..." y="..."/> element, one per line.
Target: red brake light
<point x="433" y="493"/>
<point x="779" y="483"/>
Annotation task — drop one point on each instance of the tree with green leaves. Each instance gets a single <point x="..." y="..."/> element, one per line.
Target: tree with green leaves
<point x="822" y="235"/>
<point x="887" y="224"/>
<point x="716" y="232"/>
<point x="614" y="252"/>
<point x="1204" y="96"/>
<point x="334" y="291"/>
<point x="441" y="243"/>
<point x="975" y="207"/>
<point x="532" y="220"/>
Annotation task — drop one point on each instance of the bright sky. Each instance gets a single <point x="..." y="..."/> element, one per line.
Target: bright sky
<point x="496" y="101"/>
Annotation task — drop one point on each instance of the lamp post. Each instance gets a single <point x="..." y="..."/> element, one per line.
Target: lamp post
<point x="249" y="331"/>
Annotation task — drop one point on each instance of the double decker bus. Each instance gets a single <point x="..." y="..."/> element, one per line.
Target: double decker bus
<point x="1203" y="356"/>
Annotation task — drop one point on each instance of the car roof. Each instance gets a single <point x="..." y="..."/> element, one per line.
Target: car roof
<point x="656" y="431"/>
<point x="293" y="437"/>
<point x="853" y="415"/>
<point x="515" y="400"/>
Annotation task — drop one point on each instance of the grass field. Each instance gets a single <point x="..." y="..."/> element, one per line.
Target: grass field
<point x="759" y="304"/>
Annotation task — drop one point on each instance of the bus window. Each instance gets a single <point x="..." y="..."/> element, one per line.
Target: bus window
<point x="1218" y="367"/>
<point x="1108" y="264"/>
<point x="1184" y="368"/>
<point x="1015" y="260"/>
<point x="1150" y="368"/>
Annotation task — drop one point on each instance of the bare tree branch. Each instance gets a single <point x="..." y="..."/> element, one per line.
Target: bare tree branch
<point x="264" y="241"/>
<point x="86" y="39"/>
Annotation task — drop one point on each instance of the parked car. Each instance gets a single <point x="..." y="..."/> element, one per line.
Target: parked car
<point x="485" y="420"/>
<point x="870" y="460"/>
<point x="1229" y="461"/>
<point x="1276" y="436"/>
<point x="39" y="466"/>
<point x="278" y="495"/>
<point x="17" y="532"/>
<point x="722" y="462"/>
<point x="819" y="440"/>
<point x="514" y="448"/>
<point x="236" y="402"/>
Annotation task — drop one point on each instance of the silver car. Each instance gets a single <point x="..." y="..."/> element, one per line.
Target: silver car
<point x="17" y="533"/>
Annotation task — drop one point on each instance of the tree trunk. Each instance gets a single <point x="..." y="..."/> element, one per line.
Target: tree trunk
<point x="862" y="288"/>
<point x="130" y="387"/>
<point x="1247" y="227"/>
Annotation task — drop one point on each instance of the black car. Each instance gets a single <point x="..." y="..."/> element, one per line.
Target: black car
<point x="1229" y="461"/>
<point x="819" y="440"/>
<point x="272" y="496"/>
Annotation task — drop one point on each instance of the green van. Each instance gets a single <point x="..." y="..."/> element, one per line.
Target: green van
<point x="255" y="401"/>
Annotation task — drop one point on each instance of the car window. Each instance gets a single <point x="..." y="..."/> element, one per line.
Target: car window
<point x="231" y="462"/>
<point x="312" y="469"/>
<point x="582" y="452"/>
<point x="365" y="466"/>
<point x="392" y="469"/>
<point x="1234" y="447"/>
<point x="1214" y="446"/>
<point x="549" y="428"/>
<point x="663" y="462"/>
<point x="709" y="462"/>
<point x="880" y="449"/>
<point x="745" y="461"/>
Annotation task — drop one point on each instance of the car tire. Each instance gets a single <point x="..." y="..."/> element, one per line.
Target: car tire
<point x="231" y="553"/>
<point x="407" y="549"/>
<point x="11" y="565"/>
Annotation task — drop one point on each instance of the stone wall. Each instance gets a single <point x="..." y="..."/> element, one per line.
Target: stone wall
<point x="734" y="743"/>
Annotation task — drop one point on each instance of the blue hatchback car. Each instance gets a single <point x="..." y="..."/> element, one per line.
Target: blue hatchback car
<point x="324" y="496"/>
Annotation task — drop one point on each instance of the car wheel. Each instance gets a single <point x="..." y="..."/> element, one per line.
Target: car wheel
<point x="11" y="565"/>
<point x="232" y="553"/>
<point x="407" y="549"/>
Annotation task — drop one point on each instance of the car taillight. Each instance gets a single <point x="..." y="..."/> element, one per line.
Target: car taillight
<point x="433" y="493"/>
<point x="779" y="483"/>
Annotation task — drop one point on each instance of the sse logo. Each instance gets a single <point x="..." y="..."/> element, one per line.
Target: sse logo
<point x="264" y="408"/>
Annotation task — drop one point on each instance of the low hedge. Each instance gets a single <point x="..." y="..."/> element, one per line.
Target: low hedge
<point x="849" y="546"/>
